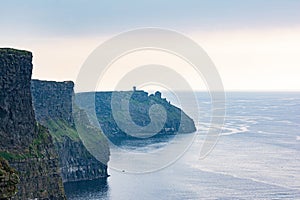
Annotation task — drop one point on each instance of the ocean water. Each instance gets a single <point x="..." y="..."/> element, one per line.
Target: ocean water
<point x="257" y="157"/>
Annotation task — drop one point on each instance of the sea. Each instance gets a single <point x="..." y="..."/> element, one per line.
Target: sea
<point x="257" y="156"/>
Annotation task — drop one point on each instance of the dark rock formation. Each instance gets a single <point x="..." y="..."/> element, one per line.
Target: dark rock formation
<point x="139" y="105"/>
<point x="39" y="169"/>
<point x="27" y="146"/>
<point x="8" y="180"/>
<point x="53" y="107"/>
<point x="17" y="126"/>
<point x="77" y="163"/>
<point x="53" y="100"/>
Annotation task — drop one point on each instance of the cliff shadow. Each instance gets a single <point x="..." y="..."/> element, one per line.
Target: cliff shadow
<point x="91" y="189"/>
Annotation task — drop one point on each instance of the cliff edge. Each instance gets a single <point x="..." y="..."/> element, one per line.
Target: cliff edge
<point x="25" y="145"/>
<point x="53" y="107"/>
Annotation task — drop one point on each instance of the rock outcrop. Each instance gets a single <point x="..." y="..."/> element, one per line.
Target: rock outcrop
<point x="8" y="180"/>
<point x="17" y="126"/>
<point x="53" y="100"/>
<point x="53" y="107"/>
<point x="138" y="112"/>
<point x="26" y="145"/>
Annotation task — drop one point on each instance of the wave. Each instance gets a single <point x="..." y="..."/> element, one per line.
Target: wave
<point x="288" y="99"/>
<point x="285" y="122"/>
<point x="233" y="131"/>
<point x="244" y="177"/>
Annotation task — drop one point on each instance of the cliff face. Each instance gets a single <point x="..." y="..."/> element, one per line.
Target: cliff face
<point x="53" y="107"/>
<point x="8" y="180"/>
<point x="77" y="163"/>
<point x="17" y="126"/>
<point x="139" y="107"/>
<point x="53" y="100"/>
<point x="27" y="146"/>
<point x="39" y="169"/>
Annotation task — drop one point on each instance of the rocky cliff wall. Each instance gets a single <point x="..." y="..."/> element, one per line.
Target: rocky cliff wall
<point x="27" y="146"/>
<point x="17" y="126"/>
<point x="77" y="163"/>
<point x="53" y="107"/>
<point x="53" y="100"/>
<point x="140" y="102"/>
<point x="8" y="180"/>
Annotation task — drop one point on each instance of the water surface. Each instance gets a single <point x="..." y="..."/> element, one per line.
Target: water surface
<point x="256" y="157"/>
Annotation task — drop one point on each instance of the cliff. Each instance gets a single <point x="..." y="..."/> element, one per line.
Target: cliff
<point x="53" y="107"/>
<point x="17" y="126"/>
<point x="26" y="146"/>
<point x="53" y="100"/>
<point x="139" y="108"/>
<point x="8" y="180"/>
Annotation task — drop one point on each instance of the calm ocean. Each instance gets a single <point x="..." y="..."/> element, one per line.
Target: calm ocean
<point x="257" y="157"/>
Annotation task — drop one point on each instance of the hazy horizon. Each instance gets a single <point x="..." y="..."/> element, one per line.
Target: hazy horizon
<point x="255" y="45"/>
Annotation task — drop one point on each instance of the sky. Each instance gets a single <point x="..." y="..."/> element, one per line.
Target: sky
<point x="255" y="45"/>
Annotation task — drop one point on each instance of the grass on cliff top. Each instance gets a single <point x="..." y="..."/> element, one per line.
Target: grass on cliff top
<point x="59" y="128"/>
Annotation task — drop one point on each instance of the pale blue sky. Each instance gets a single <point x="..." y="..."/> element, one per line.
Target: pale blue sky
<point x="58" y="17"/>
<point x="255" y="44"/>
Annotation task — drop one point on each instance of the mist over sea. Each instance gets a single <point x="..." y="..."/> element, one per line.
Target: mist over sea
<point x="257" y="157"/>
